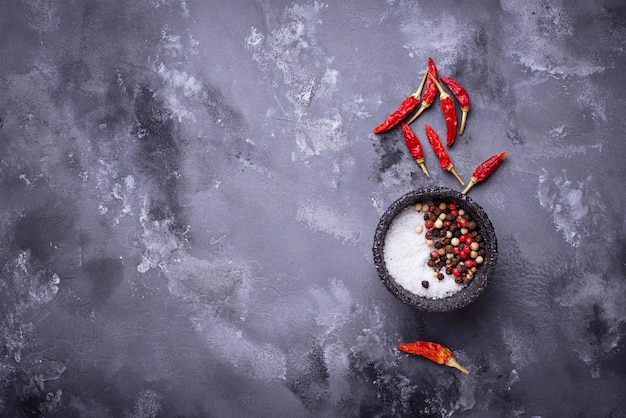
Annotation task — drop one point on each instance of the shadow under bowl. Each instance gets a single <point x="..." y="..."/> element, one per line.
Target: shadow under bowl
<point x="484" y="271"/>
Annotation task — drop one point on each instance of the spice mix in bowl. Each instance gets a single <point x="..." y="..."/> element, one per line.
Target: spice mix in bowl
<point x="435" y="249"/>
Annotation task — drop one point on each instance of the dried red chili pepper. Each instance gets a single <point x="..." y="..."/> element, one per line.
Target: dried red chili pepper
<point x="449" y="112"/>
<point x="444" y="159"/>
<point x="415" y="147"/>
<point x="432" y="351"/>
<point x="485" y="169"/>
<point x="430" y="92"/>
<point x="461" y="96"/>
<point x="406" y="107"/>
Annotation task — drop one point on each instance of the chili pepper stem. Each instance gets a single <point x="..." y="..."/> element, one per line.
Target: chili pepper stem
<point x="451" y="362"/>
<point x="420" y="161"/>
<point x="463" y="118"/>
<point x="453" y="171"/>
<point x="442" y="93"/>
<point x="471" y="183"/>
<point x="424" y="105"/>
<point x="418" y="93"/>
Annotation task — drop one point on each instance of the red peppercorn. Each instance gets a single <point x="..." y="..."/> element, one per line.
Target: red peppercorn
<point x="462" y="238"/>
<point x="456" y="250"/>
<point x="434" y="254"/>
<point x="462" y="223"/>
<point x="456" y="271"/>
<point x="446" y="224"/>
<point x="455" y="213"/>
<point x="468" y="239"/>
<point x="429" y="224"/>
<point x="451" y="206"/>
<point x="431" y="208"/>
<point x="469" y="263"/>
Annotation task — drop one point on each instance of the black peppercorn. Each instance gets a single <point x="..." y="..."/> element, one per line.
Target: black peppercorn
<point x="425" y="284"/>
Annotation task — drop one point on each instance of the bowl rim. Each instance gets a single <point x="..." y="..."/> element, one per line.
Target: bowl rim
<point x="482" y="277"/>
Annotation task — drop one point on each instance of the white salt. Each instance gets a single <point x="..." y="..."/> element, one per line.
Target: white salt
<point x="406" y="256"/>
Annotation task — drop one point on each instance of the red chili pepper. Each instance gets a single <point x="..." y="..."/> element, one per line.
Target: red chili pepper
<point x="406" y="107"/>
<point x="444" y="159"/>
<point x="485" y="169"/>
<point x="449" y="112"/>
<point x="462" y="97"/>
<point x="415" y="147"/>
<point x="430" y="92"/>
<point x="432" y="351"/>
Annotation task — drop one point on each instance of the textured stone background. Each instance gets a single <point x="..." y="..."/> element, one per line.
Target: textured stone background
<point x="189" y="192"/>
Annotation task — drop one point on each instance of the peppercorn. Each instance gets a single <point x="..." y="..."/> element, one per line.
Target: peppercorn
<point x="425" y="284"/>
<point x="440" y="276"/>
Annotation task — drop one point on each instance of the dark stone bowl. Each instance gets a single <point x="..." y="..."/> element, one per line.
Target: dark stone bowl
<point x="475" y="287"/>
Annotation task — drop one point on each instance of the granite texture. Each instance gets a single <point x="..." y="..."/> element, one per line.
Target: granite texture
<point x="189" y="192"/>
